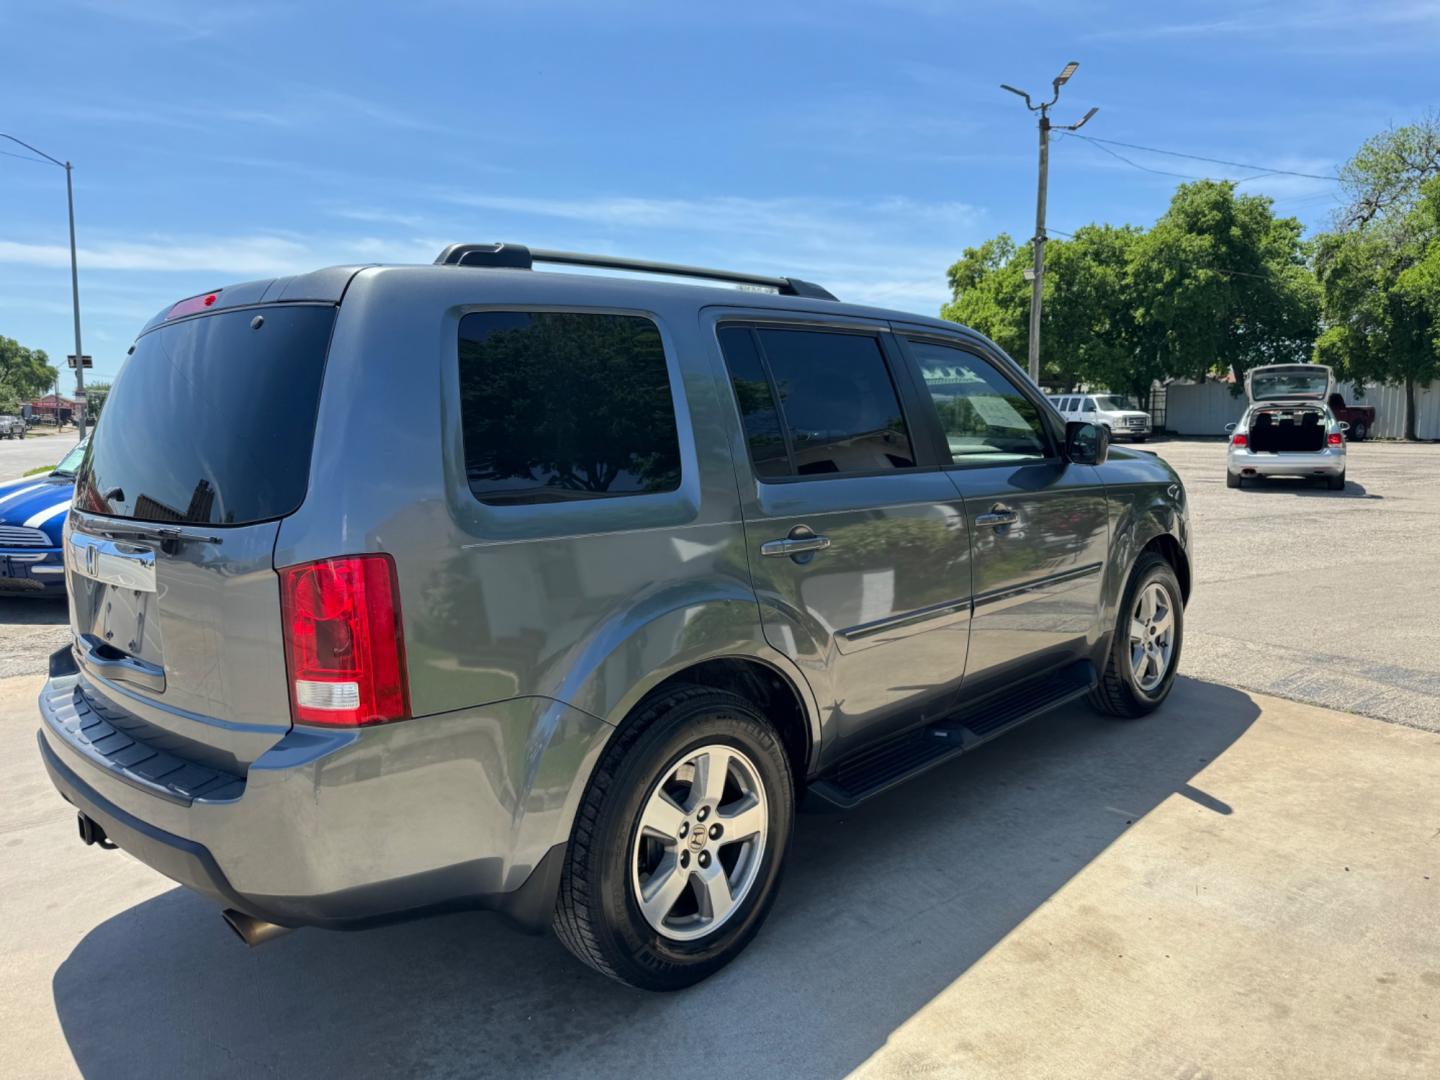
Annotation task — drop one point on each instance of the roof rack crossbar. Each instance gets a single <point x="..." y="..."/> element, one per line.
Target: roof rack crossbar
<point x="518" y="256"/>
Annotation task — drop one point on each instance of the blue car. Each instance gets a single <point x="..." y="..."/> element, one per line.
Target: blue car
<point x="32" y="515"/>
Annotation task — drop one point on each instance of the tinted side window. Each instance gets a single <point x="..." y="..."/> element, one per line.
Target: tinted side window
<point x="985" y="417"/>
<point x="839" y="410"/>
<point x="754" y="395"/>
<point x="1089" y="405"/>
<point x="557" y="406"/>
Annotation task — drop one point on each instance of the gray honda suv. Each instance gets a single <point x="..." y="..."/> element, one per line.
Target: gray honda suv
<point x="401" y="589"/>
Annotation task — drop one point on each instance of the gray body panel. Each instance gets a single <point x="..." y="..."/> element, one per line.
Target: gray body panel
<point x="531" y="631"/>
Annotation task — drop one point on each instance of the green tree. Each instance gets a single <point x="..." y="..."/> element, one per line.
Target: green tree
<point x="1218" y="283"/>
<point x="1222" y="284"/>
<point x="24" y="374"/>
<point x="990" y="293"/>
<point x="95" y="395"/>
<point x="1379" y="267"/>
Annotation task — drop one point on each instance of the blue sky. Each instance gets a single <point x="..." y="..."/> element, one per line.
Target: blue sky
<point x="860" y="145"/>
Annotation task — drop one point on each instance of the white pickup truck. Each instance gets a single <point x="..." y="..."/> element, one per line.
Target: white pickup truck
<point x="12" y="427"/>
<point x="1107" y="410"/>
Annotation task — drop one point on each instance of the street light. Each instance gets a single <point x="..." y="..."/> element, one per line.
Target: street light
<point x="1037" y="275"/>
<point x="74" y="283"/>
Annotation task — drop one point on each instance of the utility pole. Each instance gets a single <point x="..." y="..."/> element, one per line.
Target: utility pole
<point x="74" y="288"/>
<point x="1037" y="273"/>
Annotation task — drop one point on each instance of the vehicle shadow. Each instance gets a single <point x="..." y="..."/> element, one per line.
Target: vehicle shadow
<point x="882" y="908"/>
<point x="1298" y="485"/>
<point x="33" y="610"/>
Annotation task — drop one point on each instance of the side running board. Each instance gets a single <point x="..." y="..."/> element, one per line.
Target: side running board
<point x="898" y="759"/>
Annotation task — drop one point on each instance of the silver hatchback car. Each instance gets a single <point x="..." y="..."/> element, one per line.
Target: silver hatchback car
<point x="406" y="589"/>
<point x="1288" y="428"/>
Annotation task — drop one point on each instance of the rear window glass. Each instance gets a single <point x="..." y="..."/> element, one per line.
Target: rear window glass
<point x="838" y="410"/>
<point x="211" y="420"/>
<point x="561" y="406"/>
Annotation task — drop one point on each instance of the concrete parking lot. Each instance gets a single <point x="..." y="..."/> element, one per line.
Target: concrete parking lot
<point x="1239" y="885"/>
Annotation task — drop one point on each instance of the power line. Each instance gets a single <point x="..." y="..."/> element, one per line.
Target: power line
<point x="24" y="157"/>
<point x="1264" y="169"/>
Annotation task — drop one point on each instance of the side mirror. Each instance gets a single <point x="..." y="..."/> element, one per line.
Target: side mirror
<point x="1086" y="444"/>
<point x="1344" y="425"/>
<point x="1230" y="427"/>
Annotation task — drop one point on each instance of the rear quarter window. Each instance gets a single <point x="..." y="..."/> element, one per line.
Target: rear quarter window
<point x="565" y="406"/>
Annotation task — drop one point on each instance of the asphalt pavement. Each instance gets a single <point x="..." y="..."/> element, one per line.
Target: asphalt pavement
<point x="1325" y="597"/>
<point x="19" y="456"/>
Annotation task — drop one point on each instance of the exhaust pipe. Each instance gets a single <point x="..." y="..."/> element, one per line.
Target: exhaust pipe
<point x="251" y="930"/>
<point x="92" y="833"/>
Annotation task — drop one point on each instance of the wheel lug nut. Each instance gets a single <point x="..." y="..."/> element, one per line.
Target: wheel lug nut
<point x="704" y="859"/>
<point x="684" y="859"/>
<point x="715" y="831"/>
<point x="684" y="828"/>
<point x="703" y="814"/>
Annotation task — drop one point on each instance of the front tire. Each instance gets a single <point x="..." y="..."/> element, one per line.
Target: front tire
<point x="678" y="844"/>
<point x="1145" y="646"/>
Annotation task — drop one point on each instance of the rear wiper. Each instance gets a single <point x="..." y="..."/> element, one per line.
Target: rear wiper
<point x="160" y="532"/>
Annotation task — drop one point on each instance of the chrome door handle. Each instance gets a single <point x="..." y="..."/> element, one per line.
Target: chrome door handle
<point x="794" y="545"/>
<point x="997" y="518"/>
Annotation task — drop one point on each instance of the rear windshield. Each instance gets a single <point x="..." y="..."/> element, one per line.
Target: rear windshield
<point x="211" y="420"/>
<point x="1281" y="384"/>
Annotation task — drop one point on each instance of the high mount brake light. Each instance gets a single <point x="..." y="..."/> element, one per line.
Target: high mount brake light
<point x="193" y="304"/>
<point x="343" y="641"/>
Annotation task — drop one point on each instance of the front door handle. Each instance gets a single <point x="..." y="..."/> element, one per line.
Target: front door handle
<point x="801" y="545"/>
<point x="999" y="516"/>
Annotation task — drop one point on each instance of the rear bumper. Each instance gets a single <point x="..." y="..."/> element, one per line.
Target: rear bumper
<point x="383" y="824"/>
<point x="31" y="570"/>
<point x="1327" y="462"/>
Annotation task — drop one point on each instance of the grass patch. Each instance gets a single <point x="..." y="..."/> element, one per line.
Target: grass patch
<point x="39" y="470"/>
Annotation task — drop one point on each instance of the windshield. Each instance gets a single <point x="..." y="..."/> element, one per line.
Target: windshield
<point x="1112" y="403"/>
<point x="212" y="419"/>
<point x="71" y="461"/>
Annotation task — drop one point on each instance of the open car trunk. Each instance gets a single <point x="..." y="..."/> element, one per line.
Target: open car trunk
<point x="1287" y="431"/>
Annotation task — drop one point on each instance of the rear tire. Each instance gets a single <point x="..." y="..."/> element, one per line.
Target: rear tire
<point x="1335" y="483"/>
<point x="1232" y="480"/>
<point x="1128" y="685"/>
<point x="1360" y="431"/>
<point x="617" y="856"/>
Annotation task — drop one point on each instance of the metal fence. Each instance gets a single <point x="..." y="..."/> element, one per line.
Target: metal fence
<point x="1205" y="408"/>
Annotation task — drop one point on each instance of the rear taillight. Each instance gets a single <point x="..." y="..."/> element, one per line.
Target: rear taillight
<point x="1335" y="438"/>
<point x="343" y="641"/>
<point x="1239" y="440"/>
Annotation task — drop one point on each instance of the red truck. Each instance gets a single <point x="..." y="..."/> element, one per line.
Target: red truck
<point x="1361" y="418"/>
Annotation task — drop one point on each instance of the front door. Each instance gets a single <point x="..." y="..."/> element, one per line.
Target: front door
<point x="1037" y="523"/>
<point x="858" y="547"/>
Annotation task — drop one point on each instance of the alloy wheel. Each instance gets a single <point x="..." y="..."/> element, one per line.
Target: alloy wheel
<point x="1152" y="636"/>
<point x="700" y="842"/>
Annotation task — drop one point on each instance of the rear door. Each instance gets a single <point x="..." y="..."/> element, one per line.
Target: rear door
<point x="857" y="542"/>
<point x="1037" y="523"/>
<point x="204" y="445"/>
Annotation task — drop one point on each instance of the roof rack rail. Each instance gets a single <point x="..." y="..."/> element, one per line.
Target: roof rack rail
<point x="520" y="257"/>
